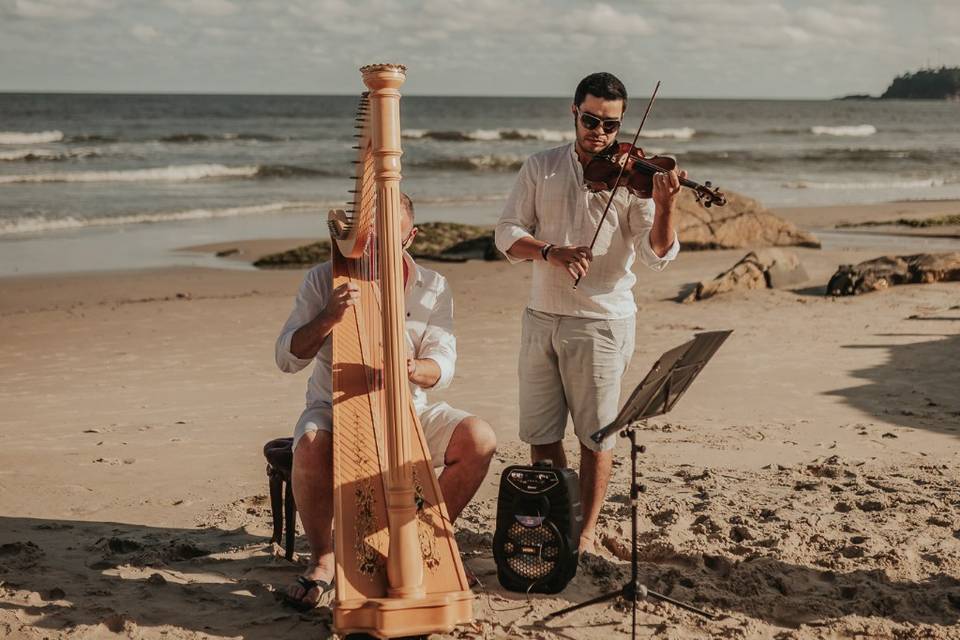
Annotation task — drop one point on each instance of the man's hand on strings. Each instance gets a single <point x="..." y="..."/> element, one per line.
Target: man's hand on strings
<point x="666" y="188"/>
<point x="341" y="299"/>
<point x="576" y="260"/>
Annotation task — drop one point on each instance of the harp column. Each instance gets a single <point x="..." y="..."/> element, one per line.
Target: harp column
<point x="404" y="560"/>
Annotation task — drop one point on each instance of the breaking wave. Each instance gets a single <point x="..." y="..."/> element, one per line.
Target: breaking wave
<point x="189" y="137"/>
<point x="852" y="156"/>
<point x="175" y="173"/>
<point x="489" y="162"/>
<point x="91" y="137"/>
<point x="680" y="133"/>
<point x="37" y="224"/>
<point x="916" y="183"/>
<point x="39" y="137"/>
<point x="44" y="137"/>
<point x="548" y="135"/>
<point x="859" y="131"/>
<point x="291" y="171"/>
<point x="47" y="155"/>
<point x="551" y="135"/>
<point x="463" y="198"/>
<point x="854" y="131"/>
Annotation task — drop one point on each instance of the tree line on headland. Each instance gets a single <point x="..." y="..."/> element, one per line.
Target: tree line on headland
<point x="925" y="84"/>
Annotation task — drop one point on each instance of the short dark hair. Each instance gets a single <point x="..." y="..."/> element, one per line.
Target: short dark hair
<point x="603" y="85"/>
<point x="407" y="205"/>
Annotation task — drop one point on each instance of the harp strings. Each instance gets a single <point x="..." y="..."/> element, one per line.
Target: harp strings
<point x="364" y="272"/>
<point x="367" y="269"/>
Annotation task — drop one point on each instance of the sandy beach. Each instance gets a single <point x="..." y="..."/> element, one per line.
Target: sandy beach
<point x="805" y="487"/>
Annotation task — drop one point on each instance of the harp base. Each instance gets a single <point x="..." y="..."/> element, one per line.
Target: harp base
<point x="397" y="617"/>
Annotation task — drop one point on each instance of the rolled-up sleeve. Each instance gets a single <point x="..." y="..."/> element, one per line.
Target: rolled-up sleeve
<point x="439" y="344"/>
<point x="641" y="217"/>
<point x="311" y="299"/>
<point x="519" y="217"/>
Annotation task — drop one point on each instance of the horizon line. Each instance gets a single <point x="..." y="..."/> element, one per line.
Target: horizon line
<point x="412" y="95"/>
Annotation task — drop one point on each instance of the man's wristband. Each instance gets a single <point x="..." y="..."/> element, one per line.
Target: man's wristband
<point x="545" y="251"/>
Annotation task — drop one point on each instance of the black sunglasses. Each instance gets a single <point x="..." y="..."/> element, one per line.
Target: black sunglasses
<point x="591" y="122"/>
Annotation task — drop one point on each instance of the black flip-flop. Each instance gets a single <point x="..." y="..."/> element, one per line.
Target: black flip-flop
<point x="308" y="585"/>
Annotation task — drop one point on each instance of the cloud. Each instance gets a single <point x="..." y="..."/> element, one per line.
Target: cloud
<point x="144" y="33"/>
<point x="213" y="8"/>
<point x="215" y="32"/>
<point x="59" y="9"/>
<point x="840" y="21"/>
<point x="603" y="19"/>
<point x="529" y="47"/>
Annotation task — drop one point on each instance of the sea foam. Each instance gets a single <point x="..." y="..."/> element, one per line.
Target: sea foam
<point x="175" y="173"/>
<point x="50" y="155"/>
<point x="860" y="130"/>
<point x="39" y="137"/>
<point x="35" y="224"/>
<point x="917" y="183"/>
<point x="547" y="135"/>
<point x="680" y="133"/>
<point x="488" y="135"/>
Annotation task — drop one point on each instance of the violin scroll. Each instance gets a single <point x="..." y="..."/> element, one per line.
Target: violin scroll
<point x="707" y="195"/>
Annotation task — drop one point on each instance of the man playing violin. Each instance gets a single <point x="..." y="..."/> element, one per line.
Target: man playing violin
<point x="577" y="342"/>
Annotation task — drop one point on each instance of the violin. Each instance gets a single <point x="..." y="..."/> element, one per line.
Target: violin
<point x="625" y="165"/>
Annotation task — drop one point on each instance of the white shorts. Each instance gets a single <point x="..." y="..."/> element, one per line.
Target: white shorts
<point x="438" y="421"/>
<point x="571" y="366"/>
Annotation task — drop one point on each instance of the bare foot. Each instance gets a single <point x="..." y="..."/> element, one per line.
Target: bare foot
<point x="587" y="544"/>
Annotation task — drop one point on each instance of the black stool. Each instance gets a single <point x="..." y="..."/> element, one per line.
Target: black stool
<point x="279" y="455"/>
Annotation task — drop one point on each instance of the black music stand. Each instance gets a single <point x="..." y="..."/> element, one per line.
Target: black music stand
<point x="657" y="394"/>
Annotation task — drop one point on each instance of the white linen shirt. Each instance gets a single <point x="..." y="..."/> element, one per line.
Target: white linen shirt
<point x="429" y="329"/>
<point x="551" y="202"/>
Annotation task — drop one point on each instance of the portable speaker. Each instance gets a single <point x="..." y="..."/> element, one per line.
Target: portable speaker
<point x="538" y="528"/>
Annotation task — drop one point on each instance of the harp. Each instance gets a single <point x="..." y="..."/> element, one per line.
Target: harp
<point x="398" y="569"/>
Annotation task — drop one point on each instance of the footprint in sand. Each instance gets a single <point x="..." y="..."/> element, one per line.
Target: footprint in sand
<point x="156" y="580"/>
<point x="871" y="505"/>
<point x="119" y="623"/>
<point x="54" y="594"/>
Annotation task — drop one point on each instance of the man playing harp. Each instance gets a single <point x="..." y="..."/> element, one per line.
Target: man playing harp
<point x="463" y="444"/>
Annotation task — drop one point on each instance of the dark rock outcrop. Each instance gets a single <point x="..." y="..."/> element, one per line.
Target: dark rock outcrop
<point x="886" y="271"/>
<point x="742" y="223"/>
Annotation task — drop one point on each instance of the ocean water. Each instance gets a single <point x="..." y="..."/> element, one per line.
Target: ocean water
<point x="82" y="164"/>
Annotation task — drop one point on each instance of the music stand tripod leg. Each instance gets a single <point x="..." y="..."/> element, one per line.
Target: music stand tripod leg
<point x="632" y="590"/>
<point x="656" y="395"/>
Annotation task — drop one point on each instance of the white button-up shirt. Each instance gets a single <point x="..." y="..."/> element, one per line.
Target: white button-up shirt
<point x="551" y="202"/>
<point x="429" y="328"/>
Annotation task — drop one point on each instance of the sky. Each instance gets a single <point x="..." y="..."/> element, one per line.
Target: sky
<point x="697" y="48"/>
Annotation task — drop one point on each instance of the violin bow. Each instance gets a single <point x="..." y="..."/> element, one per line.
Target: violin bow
<point x="623" y="166"/>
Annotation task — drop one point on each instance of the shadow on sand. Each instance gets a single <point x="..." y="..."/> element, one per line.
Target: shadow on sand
<point x="59" y="575"/>
<point x="132" y="579"/>
<point x="916" y="386"/>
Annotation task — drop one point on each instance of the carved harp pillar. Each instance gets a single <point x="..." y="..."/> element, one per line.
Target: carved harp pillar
<point x="398" y="569"/>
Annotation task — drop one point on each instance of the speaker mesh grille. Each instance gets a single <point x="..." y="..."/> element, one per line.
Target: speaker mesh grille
<point x="532" y="552"/>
